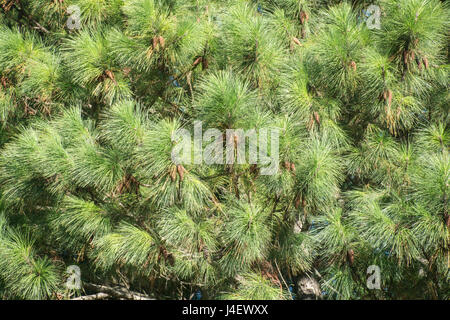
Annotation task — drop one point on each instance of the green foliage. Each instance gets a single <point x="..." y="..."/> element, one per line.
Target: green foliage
<point x="87" y="128"/>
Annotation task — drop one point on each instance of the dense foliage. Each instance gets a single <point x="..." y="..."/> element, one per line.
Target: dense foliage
<point x="87" y="116"/>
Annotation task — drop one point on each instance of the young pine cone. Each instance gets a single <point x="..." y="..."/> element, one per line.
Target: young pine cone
<point x="155" y="42"/>
<point x="110" y="75"/>
<point x="425" y="62"/>
<point x="181" y="171"/>
<point x="287" y="165"/>
<point x="353" y="65"/>
<point x="350" y="256"/>
<point x="317" y="117"/>
<point x="296" y="41"/>
<point x="303" y="17"/>
<point x="162" y="41"/>
<point x="236" y="141"/>
<point x="197" y="61"/>
<point x="389" y="97"/>
<point x="173" y="174"/>
<point x="419" y="63"/>
<point x="405" y="57"/>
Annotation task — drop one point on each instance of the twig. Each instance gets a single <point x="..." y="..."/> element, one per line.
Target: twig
<point x="282" y="278"/>
<point x="97" y="296"/>
<point x="118" y="292"/>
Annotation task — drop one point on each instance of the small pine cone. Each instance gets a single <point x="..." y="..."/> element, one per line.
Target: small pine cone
<point x="4" y="82"/>
<point x="155" y="42"/>
<point x="412" y="55"/>
<point x="235" y="140"/>
<point x="162" y="41"/>
<point x="419" y="63"/>
<point x="389" y="96"/>
<point x="353" y="65"/>
<point x="303" y="17"/>
<point x="425" y="62"/>
<point x="447" y="220"/>
<point x="287" y="165"/>
<point x="405" y="56"/>
<point x="317" y="117"/>
<point x="173" y="174"/>
<point x="110" y="75"/>
<point x="350" y="256"/>
<point x="293" y="167"/>
<point x="197" y="61"/>
<point x="296" y="41"/>
<point x="181" y="171"/>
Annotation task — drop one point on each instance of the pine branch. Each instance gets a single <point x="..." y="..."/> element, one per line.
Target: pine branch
<point x="96" y="296"/>
<point x="117" y="292"/>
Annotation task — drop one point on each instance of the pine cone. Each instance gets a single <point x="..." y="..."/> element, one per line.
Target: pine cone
<point x="296" y="41"/>
<point x="235" y="140"/>
<point x="419" y="63"/>
<point x="197" y="61"/>
<point x="162" y="41"/>
<point x="287" y="165"/>
<point x="173" y="173"/>
<point x="293" y="167"/>
<point x="155" y="42"/>
<point x="405" y="56"/>
<point x="425" y="62"/>
<point x="303" y="17"/>
<point x="110" y="75"/>
<point x="389" y="97"/>
<point x="181" y="171"/>
<point x="350" y="256"/>
<point x="4" y="81"/>
<point x="317" y="117"/>
<point x="353" y="65"/>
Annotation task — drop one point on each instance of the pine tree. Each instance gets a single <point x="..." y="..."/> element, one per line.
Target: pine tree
<point x="88" y="117"/>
